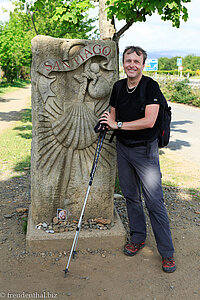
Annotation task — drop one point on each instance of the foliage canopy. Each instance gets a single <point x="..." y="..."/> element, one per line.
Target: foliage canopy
<point x="15" y="47"/>
<point x="63" y="19"/>
<point x="133" y="11"/>
<point x="70" y="19"/>
<point x="190" y="62"/>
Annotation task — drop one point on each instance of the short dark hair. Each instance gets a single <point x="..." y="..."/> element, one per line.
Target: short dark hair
<point x="139" y="51"/>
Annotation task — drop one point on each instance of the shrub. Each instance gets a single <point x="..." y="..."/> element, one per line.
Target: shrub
<point x="183" y="94"/>
<point x="167" y="88"/>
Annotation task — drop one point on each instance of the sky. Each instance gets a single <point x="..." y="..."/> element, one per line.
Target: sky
<point x="7" y="5"/>
<point x="155" y="35"/>
<point x="158" y="35"/>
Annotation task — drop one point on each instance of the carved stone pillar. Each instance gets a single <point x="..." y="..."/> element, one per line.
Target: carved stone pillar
<point x="71" y="86"/>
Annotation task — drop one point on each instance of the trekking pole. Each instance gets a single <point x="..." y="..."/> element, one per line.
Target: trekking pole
<point x="99" y="145"/>
<point x="102" y="135"/>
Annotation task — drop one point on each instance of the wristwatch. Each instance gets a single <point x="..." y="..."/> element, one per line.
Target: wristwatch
<point x="119" y="125"/>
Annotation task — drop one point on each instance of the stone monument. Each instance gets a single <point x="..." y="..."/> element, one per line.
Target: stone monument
<point x="71" y="85"/>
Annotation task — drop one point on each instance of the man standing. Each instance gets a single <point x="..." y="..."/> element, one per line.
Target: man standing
<point x="138" y="157"/>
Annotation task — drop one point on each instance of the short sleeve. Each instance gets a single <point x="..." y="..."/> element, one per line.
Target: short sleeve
<point x="153" y="93"/>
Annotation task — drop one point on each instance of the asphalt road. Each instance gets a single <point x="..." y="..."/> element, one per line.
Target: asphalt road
<point x="185" y="132"/>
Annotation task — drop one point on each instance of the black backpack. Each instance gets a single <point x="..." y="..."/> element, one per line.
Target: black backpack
<point x="164" y="115"/>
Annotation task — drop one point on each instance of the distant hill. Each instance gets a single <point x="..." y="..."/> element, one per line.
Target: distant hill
<point x="172" y="53"/>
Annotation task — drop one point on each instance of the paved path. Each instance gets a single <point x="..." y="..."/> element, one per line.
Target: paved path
<point x="11" y="105"/>
<point x="185" y="132"/>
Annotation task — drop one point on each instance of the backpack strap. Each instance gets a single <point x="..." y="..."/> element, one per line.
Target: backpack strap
<point x="143" y="85"/>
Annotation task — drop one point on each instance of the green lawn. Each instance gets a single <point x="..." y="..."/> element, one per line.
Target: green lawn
<point x="15" y="146"/>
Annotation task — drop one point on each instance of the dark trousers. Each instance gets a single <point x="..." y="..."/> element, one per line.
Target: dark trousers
<point x="139" y="171"/>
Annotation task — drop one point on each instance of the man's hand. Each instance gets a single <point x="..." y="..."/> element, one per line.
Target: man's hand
<point x="108" y="119"/>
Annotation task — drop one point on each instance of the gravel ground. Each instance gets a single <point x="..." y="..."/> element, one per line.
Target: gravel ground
<point x="98" y="273"/>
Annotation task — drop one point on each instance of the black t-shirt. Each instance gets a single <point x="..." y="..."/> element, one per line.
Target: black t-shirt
<point x="128" y="107"/>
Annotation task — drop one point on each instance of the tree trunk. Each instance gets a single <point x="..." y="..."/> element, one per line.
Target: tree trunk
<point x="106" y="27"/>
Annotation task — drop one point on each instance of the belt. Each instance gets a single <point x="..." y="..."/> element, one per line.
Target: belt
<point x="131" y="143"/>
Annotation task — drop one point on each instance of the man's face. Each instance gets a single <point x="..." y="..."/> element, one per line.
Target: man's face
<point x="133" y="65"/>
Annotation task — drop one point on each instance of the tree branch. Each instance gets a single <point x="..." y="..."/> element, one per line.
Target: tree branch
<point x="31" y="14"/>
<point x="118" y="34"/>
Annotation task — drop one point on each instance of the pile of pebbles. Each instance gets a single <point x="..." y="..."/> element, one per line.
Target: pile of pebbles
<point x="59" y="226"/>
<point x="181" y="212"/>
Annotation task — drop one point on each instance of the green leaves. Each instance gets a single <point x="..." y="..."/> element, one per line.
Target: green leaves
<point x="15" y="48"/>
<point x="135" y="10"/>
<point x="58" y="18"/>
<point x="69" y="19"/>
<point x="63" y="18"/>
<point x="71" y="11"/>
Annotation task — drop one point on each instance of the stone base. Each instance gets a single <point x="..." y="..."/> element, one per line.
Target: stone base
<point x="38" y="240"/>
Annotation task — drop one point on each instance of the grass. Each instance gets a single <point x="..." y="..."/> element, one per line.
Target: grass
<point x="15" y="146"/>
<point x="117" y="186"/>
<point x="177" y="172"/>
<point x="6" y="87"/>
<point x="24" y="224"/>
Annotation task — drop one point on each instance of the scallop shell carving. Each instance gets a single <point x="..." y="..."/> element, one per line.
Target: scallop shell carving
<point x="75" y="128"/>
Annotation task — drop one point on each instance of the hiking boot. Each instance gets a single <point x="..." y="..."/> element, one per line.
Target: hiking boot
<point x="168" y="264"/>
<point x="132" y="249"/>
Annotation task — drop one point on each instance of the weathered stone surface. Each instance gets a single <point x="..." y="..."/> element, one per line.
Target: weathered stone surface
<point x="71" y="85"/>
